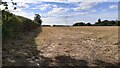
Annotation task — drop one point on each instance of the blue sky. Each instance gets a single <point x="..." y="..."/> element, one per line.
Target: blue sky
<point x="70" y="11"/>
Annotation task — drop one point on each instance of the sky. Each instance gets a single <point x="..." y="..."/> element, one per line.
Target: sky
<point x="62" y="12"/>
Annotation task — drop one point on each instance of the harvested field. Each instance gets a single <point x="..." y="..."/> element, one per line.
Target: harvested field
<point x="65" y="46"/>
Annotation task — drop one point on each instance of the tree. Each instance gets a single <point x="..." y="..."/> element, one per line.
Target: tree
<point x="79" y="24"/>
<point x="37" y="19"/>
<point x="98" y="23"/>
<point x="88" y="24"/>
<point x="111" y="23"/>
<point x="117" y="23"/>
<point x="99" y="20"/>
<point x="104" y="23"/>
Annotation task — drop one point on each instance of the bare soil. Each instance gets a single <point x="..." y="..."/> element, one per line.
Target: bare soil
<point x="64" y="46"/>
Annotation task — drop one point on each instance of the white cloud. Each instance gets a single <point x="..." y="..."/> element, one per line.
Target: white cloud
<point x="54" y="6"/>
<point x="55" y="0"/>
<point x="2" y="7"/>
<point x="84" y="13"/>
<point x="19" y="11"/>
<point x="81" y="0"/>
<point x="85" y="6"/>
<point x="19" y="6"/>
<point x="46" y="6"/>
<point x="11" y="6"/>
<point x="113" y="6"/>
<point x="24" y="1"/>
<point x="38" y="1"/>
<point x="86" y="0"/>
<point x="93" y="0"/>
<point x="74" y="14"/>
<point x="22" y="5"/>
<point x="24" y="14"/>
<point x="93" y="11"/>
<point x="52" y="20"/>
<point x="56" y="11"/>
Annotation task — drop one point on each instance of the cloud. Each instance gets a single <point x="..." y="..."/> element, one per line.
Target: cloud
<point x="86" y="0"/>
<point x="80" y="0"/>
<point x="22" y="5"/>
<point x="46" y="6"/>
<point x="20" y="10"/>
<point x="85" y="6"/>
<point x="29" y="15"/>
<point x="73" y="14"/>
<point x="36" y="1"/>
<point x="24" y="1"/>
<point x="93" y="0"/>
<point x="11" y="7"/>
<point x="19" y="6"/>
<point x="93" y="10"/>
<point x="113" y="6"/>
<point x="55" y="0"/>
<point x="52" y="20"/>
<point x="65" y="1"/>
<point x="56" y="11"/>
<point x="2" y="7"/>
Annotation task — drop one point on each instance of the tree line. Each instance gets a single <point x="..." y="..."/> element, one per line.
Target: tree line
<point x="99" y="23"/>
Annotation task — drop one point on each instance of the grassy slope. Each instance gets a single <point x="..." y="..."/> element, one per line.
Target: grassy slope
<point x="14" y="25"/>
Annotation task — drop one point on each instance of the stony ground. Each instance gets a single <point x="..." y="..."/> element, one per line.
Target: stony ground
<point x="64" y="46"/>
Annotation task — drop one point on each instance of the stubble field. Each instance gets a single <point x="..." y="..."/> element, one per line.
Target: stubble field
<point x="65" y="46"/>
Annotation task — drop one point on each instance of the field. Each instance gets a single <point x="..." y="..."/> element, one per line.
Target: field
<point x="64" y="46"/>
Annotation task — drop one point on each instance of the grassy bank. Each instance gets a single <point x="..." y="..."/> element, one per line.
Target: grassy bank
<point x="13" y="25"/>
